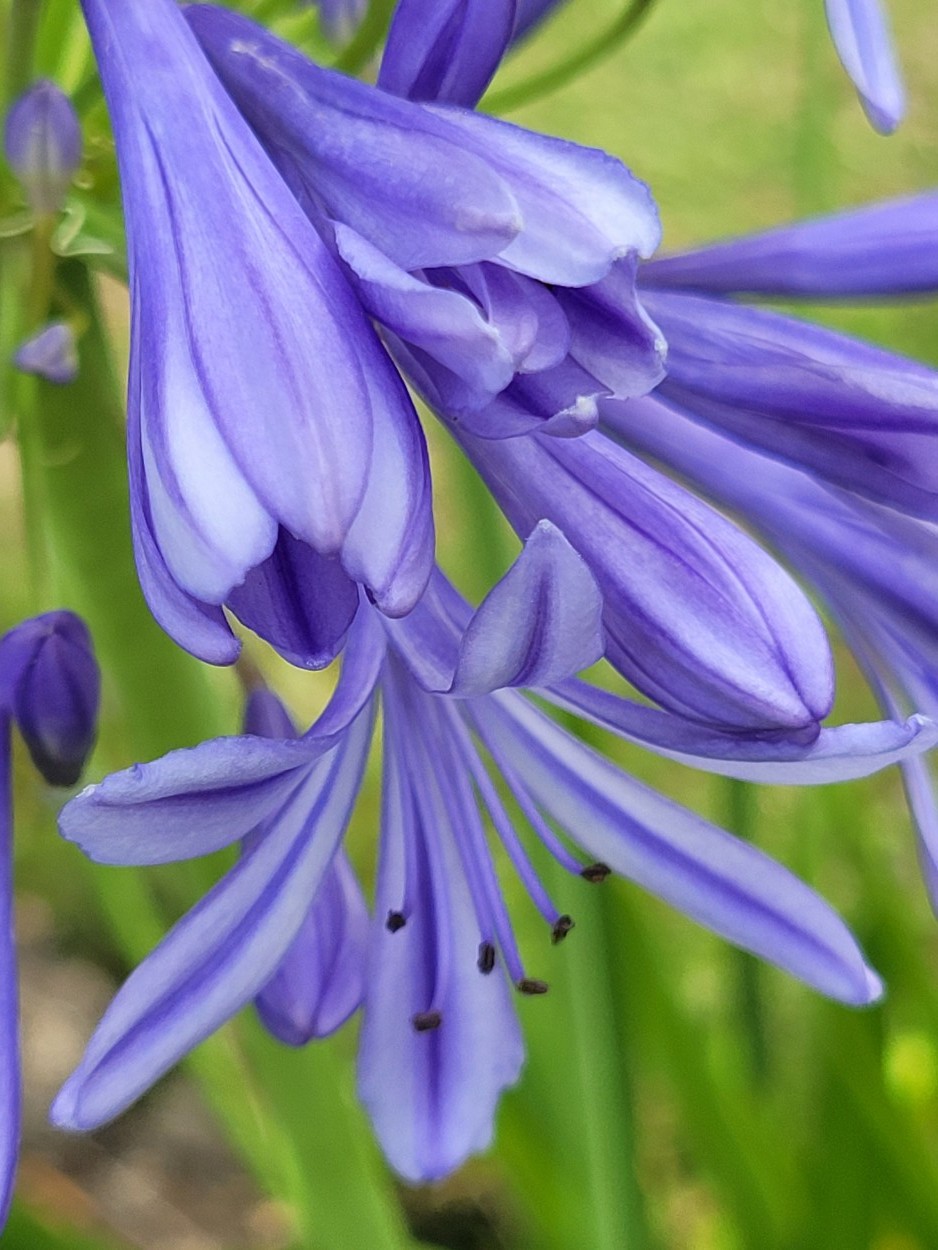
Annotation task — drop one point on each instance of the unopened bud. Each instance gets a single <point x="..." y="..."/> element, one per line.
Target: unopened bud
<point x="42" y="141"/>
<point x="53" y="686"/>
<point x="51" y="354"/>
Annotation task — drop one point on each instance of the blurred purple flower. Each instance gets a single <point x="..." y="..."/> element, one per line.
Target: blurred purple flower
<point x="49" y="685"/>
<point x="440" y="1040"/>
<point x="42" y="143"/>
<point x="51" y="354"/>
<point x="341" y="18"/>
<point x="275" y="457"/>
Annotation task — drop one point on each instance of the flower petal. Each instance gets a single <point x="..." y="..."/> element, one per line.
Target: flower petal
<point x="356" y="150"/>
<point x="697" y="615"/>
<point x="860" y="32"/>
<point x="321" y="980"/>
<point x="445" y="49"/>
<point x="300" y="602"/>
<point x="847" y="412"/>
<point x="222" y="952"/>
<point x="841" y="753"/>
<point x="877" y="249"/>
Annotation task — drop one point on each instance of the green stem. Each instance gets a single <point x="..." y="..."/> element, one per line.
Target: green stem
<point x="22" y="32"/>
<point x="591" y="53"/>
<point x="596" y="1001"/>
<point x="747" y="973"/>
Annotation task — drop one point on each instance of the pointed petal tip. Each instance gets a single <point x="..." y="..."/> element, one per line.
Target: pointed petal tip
<point x="875" y="988"/>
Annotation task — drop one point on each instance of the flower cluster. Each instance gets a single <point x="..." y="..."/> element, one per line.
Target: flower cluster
<point x="305" y="254"/>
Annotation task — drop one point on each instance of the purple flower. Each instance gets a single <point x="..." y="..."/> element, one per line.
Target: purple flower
<point x="51" y="354"/>
<point x="860" y="31"/>
<point x="507" y="291"/>
<point x="42" y="143"/>
<point x="275" y="457"/>
<point x="341" y="18"/>
<point x="439" y="1040"/>
<point x="49" y="686"/>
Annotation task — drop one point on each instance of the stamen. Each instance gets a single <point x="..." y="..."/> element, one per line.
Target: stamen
<point x="530" y="986"/>
<point x="536" y="820"/>
<point x="427" y="1021"/>
<point x="594" y="873"/>
<point x="506" y="831"/>
<point x="395" y="921"/>
<point x="486" y="957"/>
<point x="561" y="928"/>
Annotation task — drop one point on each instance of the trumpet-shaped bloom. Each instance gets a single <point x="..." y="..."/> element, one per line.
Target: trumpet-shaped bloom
<point x="275" y="457"/>
<point x="49" y="686"/>
<point x="439" y="1040"/>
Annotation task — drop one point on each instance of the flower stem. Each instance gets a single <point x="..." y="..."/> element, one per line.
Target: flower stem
<point x="21" y="33"/>
<point x="578" y="62"/>
<point x="747" y="975"/>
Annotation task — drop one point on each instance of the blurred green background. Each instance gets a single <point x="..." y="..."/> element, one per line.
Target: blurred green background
<point x="677" y="1095"/>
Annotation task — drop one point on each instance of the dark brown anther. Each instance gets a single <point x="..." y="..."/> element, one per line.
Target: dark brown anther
<point x="396" y="920"/>
<point x="529" y="986"/>
<point x="427" y="1021"/>
<point x="594" y="873"/>
<point x="562" y="926"/>
<point x="486" y="957"/>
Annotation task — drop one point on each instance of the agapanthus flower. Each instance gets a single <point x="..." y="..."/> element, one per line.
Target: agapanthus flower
<point x="501" y="265"/>
<point x="440" y="1039"/>
<point x="275" y="458"/>
<point x="42" y="144"/>
<point x="341" y="18"/>
<point x="49" y="685"/>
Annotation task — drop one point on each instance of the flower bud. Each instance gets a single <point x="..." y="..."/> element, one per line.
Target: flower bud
<point x="42" y="142"/>
<point x="51" y="354"/>
<point x="53" y="684"/>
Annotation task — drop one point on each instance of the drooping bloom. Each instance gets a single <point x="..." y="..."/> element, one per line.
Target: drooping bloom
<point x="42" y="143"/>
<point x="275" y="457"/>
<point x="440" y="1040"/>
<point x="49" y="686"/>
<point x="506" y="289"/>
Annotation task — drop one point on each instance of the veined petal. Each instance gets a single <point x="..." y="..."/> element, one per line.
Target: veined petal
<point x="300" y="602"/>
<point x="222" y="952"/>
<point x="861" y="35"/>
<point x="582" y="209"/>
<point x="10" y="1083"/>
<point x="188" y="803"/>
<point x="367" y="158"/>
<point x="697" y="615"/>
<point x="445" y="50"/>
<point x="714" y="878"/>
<point x="877" y="249"/>
<point x="858" y="416"/>
<point x="840" y="753"/>
<point x="542" y="618"/>
<point x="431" y="1092"/>
<point x="321" y="980"/>
<point x="444" y="323"/>
<point x="613" y="337"/>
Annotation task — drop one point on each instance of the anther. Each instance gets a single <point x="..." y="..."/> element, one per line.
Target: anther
<point x="486" y="957"/>
<point x="562" y="926"/>
<point x="396" y="920"/>
<point x="594" y="873"/>
<point x="427" y="1021"/>
<point x="529" y="986"/>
